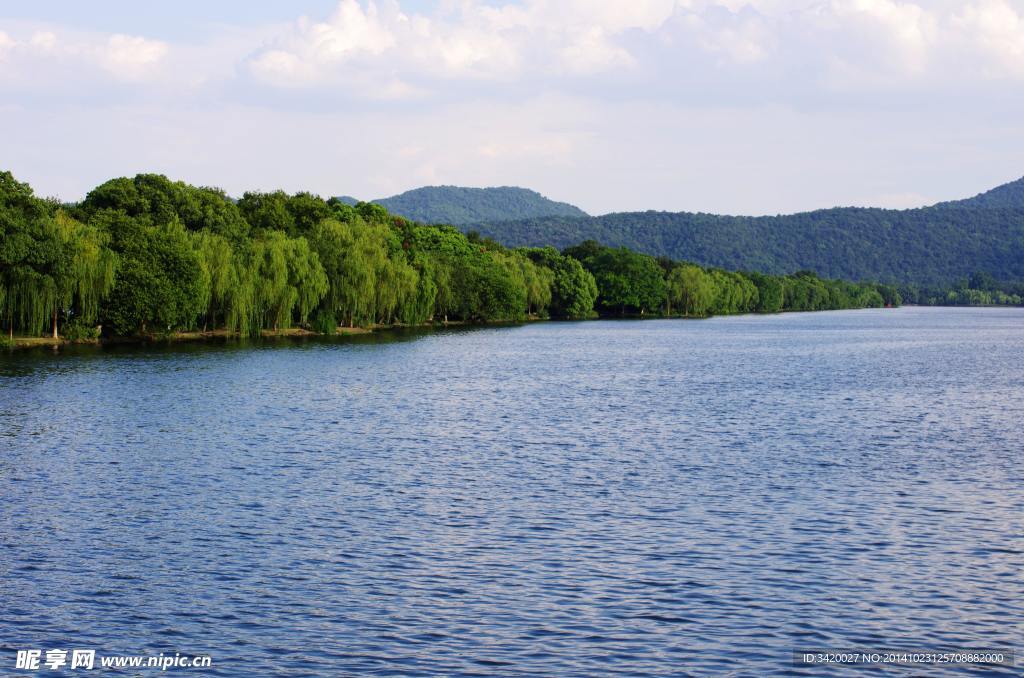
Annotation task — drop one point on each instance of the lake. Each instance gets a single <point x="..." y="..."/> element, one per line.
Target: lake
<point x="607" y="497"/>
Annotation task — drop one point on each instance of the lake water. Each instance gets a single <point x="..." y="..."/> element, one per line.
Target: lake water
<point x="631" y="497"/>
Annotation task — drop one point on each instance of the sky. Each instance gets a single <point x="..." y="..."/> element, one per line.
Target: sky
<point x="725" y="106"/>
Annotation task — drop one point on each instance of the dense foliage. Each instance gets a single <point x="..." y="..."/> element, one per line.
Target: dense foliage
<point x="630" y="283"/>
<point x="148" y="256"/>
<point x="929" y="246"/>
<point x="459" y="206"/>
<point x="980" y="289"/>
<point x="49" y="262"/>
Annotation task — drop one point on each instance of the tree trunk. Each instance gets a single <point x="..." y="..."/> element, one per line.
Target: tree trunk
<point x="55" y="322"/>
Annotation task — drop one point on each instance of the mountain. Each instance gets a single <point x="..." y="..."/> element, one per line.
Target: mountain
<point x="1007" y="195"/>
<point x="458" y="205"/>
<point x="928" y="246"/>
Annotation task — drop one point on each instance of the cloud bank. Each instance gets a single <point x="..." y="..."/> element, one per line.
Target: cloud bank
<point x="727" y="105"/>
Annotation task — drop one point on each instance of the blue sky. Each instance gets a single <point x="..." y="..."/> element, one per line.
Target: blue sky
<point x="731" y="106"/>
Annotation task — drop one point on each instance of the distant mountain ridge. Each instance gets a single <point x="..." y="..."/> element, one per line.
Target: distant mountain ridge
<point x="934" y="245"/>
<point x="459" y="205"/>
<point x="929" y="246"/>
<point x="1008" y="195"/>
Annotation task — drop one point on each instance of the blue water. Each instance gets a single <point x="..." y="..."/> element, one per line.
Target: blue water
<point x="632" y="498"/>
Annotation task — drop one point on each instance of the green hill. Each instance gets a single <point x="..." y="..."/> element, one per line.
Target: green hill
<point x="459" y="205"/>
<point x="1007" y="195"/>
<point x="929" y="246"/>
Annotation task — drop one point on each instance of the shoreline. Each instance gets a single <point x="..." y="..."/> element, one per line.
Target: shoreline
<point x="198" y="336"/>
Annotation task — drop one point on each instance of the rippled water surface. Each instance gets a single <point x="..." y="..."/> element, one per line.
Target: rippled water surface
<point x="657" y="497"/>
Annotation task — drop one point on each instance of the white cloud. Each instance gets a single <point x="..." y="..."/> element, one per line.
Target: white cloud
<point x="591" y="51"/>
<point x="44" y="41"/>
<point x="58" y="57"/>
<point x="377" y="51"/>
<point x="358" y="38"/>
<point x="995" y="29"/>
<point x="281" y="68"/>
<point x="741" y="38"/>
<point x="130" y="57"/>
<point x="789" y="47"/>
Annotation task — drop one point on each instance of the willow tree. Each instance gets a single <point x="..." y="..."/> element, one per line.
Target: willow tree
<point x="28" y="297"/>
<point x="82" y="269"/>
<point x="353" y="254"/>
<point x="419" y="307"/>
<point x="307" y="276"/>
<point x="442" y="277"/>
<point x="287" y="278"/>
<point x="274" y="296"/>
<point x="50" y="264"/>
<point x="538" y="280"/>
<point x="673" y="289"/>
<point x="217" y="261"/>
<point x="396" y="285"/>
<point x="694" y="290"/>
<point x="243" y="314"/>
<point x="22" y="255"/>
<point x="516" y="282"/>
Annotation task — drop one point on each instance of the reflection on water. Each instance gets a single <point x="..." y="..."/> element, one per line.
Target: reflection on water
<point x="556" y="498"/>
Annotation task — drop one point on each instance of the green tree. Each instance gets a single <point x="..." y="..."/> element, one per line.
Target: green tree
<point x="695" y="290"/>
<point x="82" y="270"/>
<point x="288" y="279"/>
<point x="626" y="280"/>
<point x="153" y="199"/>
<point x="353" y="254"/>
<point x="24" y="255"/>
<point x="159" y="286"/>
<point x="220" y="275"/>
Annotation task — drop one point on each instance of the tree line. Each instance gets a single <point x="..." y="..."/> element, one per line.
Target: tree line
<point x="979" y="289"/>
<point x="150" y="256"/>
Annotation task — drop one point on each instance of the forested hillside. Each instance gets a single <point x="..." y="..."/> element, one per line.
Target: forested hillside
<point x="458" y="205"/>
<point x="1007" y="195"/>
<point x="929" y="246"/>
